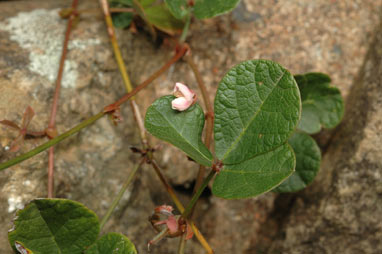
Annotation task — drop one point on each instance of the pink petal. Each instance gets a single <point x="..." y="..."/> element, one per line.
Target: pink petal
<point x="187" y="92"/>
<point x="172" y="224"/>
<point x="181" y="104"/>
<point x="164" y="209"/>
<point x="160" y="222"/>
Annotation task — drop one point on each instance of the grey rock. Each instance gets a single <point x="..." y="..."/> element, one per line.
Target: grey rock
<point x="91" y="166"/>
<point x="342" y="212"/>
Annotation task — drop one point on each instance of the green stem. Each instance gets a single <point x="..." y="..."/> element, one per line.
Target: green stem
<point x="182" y="244"/>
<point x="157" y="238"/>
<point x="185" y="29"/>
<point x="196" y="196"/>
<point x="51" y="142"/>
<point x="94" y="118"/>
<point x="120" y="194"/>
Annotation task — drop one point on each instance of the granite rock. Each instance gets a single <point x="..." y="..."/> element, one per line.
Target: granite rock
<point x="327" y="36"/>
<point x="342" y="213"/>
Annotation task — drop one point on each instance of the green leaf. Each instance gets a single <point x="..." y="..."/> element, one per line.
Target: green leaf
<point x="182" y="129"/>
<point x="122" y="20"/>
<point x="308" y="158"/>
<point x="255" y="176"/>
<point x="162" y="19"/>
<point x="178" y="8"/>
<point x="257" y="107"/>
<point x="322" y="104"/>
<point x="202" y="8"/>
<point x="210" y="8"/>
<point x="146" y="3"/>
<point x="141" y="12"/>
<point x="112" y="243"/>
<point x="54" y="226"/>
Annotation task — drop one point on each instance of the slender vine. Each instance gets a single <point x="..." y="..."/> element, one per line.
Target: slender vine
<point x="51" y="130"/>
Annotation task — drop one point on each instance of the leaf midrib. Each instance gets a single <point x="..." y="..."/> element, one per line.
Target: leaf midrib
<point x="252" y="119"/>
<point x="53" y="235"/>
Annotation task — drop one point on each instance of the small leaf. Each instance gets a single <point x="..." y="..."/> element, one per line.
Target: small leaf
<point x="204" y="9"/>
<point x="112" y="243"/>
<point x="322" y="104"/>
<point x="54" y="226"/>
<point x="255" y="176"/>
<point x="308" y="158"/>
<point x="257" y="107"/>
<point x="162" y="19"/>
<point x="182" y="129"/>
<point x="122" y="20"/>
<point x="178" y="8"/>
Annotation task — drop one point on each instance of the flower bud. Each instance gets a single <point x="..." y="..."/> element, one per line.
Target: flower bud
<point x="185" y="97"/>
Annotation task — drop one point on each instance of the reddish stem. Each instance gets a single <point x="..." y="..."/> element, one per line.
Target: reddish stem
<point x="36" y="134"/>
<point x="209" y="118"/>
<point x="52" y="119"/>
<point x="121" y="10"/>
<point x="126" y="97"/>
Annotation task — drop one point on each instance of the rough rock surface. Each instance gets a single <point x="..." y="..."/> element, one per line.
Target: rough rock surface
<point x="343" y="214"/>
<point x="328" y="36"/>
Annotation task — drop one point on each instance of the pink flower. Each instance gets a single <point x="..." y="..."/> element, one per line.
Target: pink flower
<point x="185" y="97"/>
<point x="164" y="209"/>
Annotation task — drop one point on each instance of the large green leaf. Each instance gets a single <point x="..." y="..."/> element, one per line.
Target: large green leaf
<point x="161" y="18"/>
<point x="308" y="158"/>
<point x="255" y="176"/>
<point x="210" y="8"/>
<point x="322" y="104"/>
<point x="112" y="243"/>
<point x="202" y="8"/>
<point x="257" y="107"/>
<point x="182" y="129"/>
<point x="54" y="226"/>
